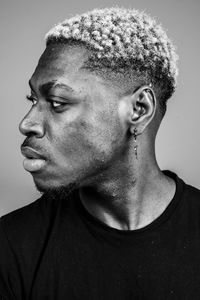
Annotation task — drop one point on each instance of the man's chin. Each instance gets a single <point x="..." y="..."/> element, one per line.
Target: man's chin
<point x="56" y="189"/>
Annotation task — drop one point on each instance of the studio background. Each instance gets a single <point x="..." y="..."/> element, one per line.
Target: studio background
<point x="23" y="25"/>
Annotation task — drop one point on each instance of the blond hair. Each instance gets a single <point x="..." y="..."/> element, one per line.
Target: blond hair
<point x="124" y="41"/>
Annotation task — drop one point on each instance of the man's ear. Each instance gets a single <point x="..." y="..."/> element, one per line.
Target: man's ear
<point x="143" y="103"/>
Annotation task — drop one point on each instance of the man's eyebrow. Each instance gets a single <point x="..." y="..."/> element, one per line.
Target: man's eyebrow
<point x="47" y="86"/>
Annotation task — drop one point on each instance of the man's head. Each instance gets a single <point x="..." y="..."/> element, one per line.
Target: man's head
<point x="96" y="82"/>
<point x="126" y="45"/>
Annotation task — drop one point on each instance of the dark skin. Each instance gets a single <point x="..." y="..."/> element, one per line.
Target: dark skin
<point x="84" y="128"/>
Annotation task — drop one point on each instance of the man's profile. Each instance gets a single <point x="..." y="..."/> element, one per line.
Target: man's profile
<point x="109" y="224"/>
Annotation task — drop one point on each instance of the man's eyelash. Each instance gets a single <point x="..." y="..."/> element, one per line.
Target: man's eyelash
<point x="28" y="97"/>
<point x="31" y="98"/>
<point x="52" y="102"/>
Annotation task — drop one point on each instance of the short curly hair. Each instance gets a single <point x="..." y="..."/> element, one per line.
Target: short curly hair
<point x="124" y="42"/>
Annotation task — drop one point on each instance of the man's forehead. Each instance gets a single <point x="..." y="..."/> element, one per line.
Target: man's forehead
<point x="63" y="55"/>
<point x="66" y="62"/>
<point x="60" y="62"/>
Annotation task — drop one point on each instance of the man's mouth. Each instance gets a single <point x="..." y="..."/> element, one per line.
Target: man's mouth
<point x="33" y="161"/>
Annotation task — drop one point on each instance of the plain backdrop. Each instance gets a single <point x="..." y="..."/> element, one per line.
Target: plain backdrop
<point x="23" y="24"/>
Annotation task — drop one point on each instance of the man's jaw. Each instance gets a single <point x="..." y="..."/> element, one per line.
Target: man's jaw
<point x="57" y="191"/>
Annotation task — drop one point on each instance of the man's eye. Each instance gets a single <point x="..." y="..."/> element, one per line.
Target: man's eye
<point x="32" y="99"/>
<point x="56" y="104"/>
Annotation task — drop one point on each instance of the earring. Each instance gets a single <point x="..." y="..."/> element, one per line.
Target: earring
<point x="135" y="140"/>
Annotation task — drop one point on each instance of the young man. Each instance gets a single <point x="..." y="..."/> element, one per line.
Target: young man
<point x="110" y="224"/>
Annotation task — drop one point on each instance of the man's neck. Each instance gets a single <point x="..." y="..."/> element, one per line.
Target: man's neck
<point x="130" y="202"/>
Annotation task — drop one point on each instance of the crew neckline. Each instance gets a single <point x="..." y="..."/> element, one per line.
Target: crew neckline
<point x="163" y="217"/>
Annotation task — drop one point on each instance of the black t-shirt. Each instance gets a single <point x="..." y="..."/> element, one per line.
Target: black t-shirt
<point x="54" y="249"/>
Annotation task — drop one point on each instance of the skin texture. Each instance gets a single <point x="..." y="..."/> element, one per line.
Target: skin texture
<point x="87" y="141"/>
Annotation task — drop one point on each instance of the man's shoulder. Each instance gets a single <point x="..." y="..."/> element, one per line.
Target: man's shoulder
<point x="31" y="220"/>
<point x="23" y="214"/>
<point x="188" y="196"/>
<point x="34" y="218"/>
<point x="192" y="193"/>
<point x="19" y="224"/>
<point x="192" y="198"/>
<point x="18" y="230"/>
<point x="24" y="234"/>
<point x="183" y="188"/>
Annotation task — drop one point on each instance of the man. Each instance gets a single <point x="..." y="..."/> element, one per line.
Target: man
<point x="110" y="224"/>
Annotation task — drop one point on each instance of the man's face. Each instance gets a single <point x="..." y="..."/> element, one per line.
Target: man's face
<point x="73" y="128"/>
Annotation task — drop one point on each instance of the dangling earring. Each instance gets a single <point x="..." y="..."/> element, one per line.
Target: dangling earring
<point x="135" y="140"/>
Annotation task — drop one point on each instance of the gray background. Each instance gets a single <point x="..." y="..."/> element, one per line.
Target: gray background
<point x="22" y="29"/>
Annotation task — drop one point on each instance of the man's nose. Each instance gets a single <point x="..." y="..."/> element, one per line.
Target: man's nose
<point x="32" y="124"/>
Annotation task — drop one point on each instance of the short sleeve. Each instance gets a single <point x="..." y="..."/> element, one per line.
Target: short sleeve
<point x="9" y="275"/>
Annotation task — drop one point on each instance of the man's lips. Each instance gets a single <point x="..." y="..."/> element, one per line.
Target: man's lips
<point x="31" y="153"/>
<point x="33" y="161"/>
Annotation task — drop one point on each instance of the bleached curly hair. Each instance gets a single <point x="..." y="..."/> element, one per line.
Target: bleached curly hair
<point x="124" y="42"/>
